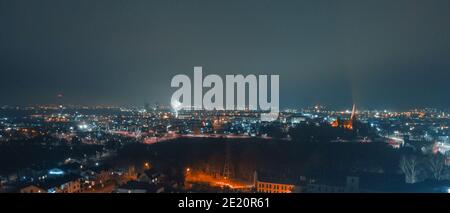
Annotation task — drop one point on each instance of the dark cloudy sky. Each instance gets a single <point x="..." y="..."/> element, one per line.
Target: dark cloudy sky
<point x="378" y="54"/>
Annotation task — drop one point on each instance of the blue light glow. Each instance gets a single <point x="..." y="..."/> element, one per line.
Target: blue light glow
<point x="56" y="171"/>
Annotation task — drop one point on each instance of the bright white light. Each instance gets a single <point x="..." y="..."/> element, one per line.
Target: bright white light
<point x="176" y="105"/>
<point x="83" y="126"/>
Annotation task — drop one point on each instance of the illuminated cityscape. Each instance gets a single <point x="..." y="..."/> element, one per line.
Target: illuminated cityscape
<point x="87" y="149"/>
<point x="224" y="104"/>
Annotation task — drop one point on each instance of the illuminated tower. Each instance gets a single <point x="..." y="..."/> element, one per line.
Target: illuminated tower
<point x="227" y="174"/>
<point x="59" y="98"/>
<point x="353" y="116"/>
<point x="350" y="123"/>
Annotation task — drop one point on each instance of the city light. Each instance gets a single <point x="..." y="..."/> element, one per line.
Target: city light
<point x="56" y="171"/>
<point x="230" y="112"/>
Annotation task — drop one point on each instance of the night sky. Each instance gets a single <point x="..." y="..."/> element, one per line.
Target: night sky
<point x="391" y="54"/>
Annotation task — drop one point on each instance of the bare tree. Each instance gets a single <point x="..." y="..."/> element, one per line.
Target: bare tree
<point x="436" y="166"/>
<point x="410" y="167"/>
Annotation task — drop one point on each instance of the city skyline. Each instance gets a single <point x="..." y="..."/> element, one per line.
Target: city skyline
<point x="225" y="104"/>
<point x="376" y="54"/>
